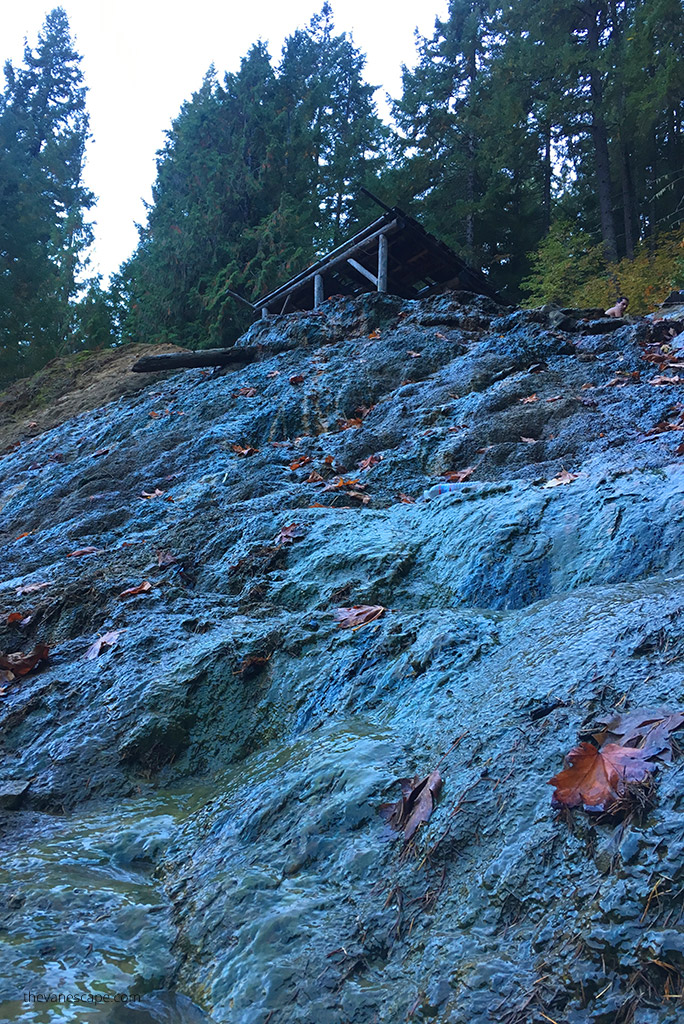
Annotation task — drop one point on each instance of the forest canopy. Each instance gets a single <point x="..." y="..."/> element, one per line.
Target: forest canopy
<point x="541" y="139"/>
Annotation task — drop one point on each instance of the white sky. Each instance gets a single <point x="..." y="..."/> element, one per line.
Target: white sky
<point x="143" y="58"/>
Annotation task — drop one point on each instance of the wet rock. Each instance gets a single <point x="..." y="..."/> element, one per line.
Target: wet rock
<point x="12" y="793"/>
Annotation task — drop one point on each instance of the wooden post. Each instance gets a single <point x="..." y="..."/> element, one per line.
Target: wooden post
<point x="318" y="290"/>
<point x="382" y="263"/>
<point x="264" y="313"/>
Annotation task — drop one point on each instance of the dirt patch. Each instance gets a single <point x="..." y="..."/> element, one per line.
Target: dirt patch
<point x="68" y="386"/>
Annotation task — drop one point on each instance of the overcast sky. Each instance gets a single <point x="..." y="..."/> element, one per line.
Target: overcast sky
<point x="143" y="58"/>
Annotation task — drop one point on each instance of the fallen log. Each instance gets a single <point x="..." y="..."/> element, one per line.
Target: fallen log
<point x="203" y="357"/>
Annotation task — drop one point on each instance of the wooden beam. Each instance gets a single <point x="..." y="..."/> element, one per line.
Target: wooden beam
<point x="318" y="291"/>
<point x="188" y="359"/>
<point x="382" y="263"/>
<point x="362" y="270"/>
<point x="286" y="303"/>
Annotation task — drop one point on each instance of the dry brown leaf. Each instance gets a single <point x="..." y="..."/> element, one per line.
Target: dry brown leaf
<point x="314" y="477"/>
<point x="247" y="450"/>
<point x="21" y="664"/>
<point x="296" y="378"/>
<point x="556" y="398"/>
<point x="30" y="588"/>
<point x="341" y="482"/>
<point x="84" y="551"/>
<point x="563" y="478"/>
<point x="529" y="399"/>
<point x="245" y="393"/>
<point x="106" y="640"/>
<point x="596" y="778"/>
<point x="156" y="493"/>
<point x="142" y="588"/>
<point x="651" y="727"/>
<point x="353" y="421"/>
<point x="374" y="335"/>
<point x="662" y="379"/>
<point x="416" y="805"/>
<point x="273" y="373"/>
<point x="369" y="462"/>
<point x="328" y="460"/>
<point x="457" y="476"/>
<point x="528" y="440"/>
<point x="358" y="615"/>
<point x="365" y="498"/>
<point x="289" y="534"/>
<point x="298" y="463"/>
<point x="407" y="500"/>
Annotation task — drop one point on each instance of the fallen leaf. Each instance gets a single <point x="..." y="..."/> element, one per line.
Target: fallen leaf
<point x="357" y="615"/>
<point x="248" y="450"/>
<point x="369" y="462"/>
<point x="30" y="588"/>
<point x="595" y="778"/>
<point x="374" y="335"/>
<point x="84" y="551"/>
<point x="107" y="640"/>
<point x="528" y="440"/>
<point x="154" y="415"/>
<point x="459" y="426"/>
<point x="643" y="727"/>
<point x="414" y="355"/>
<point x="289" y="534"/>
<point x="442" y="336"/>
<point x="22" y="535"/>
<point x="530" y="398"/>
<point x="21" y="664"/>
<point x="353" y="421"/>
<point x="660" y="380"/>
<point x="99" y="452"/>
<point x="273" y="373"/>
<point x="416" y="804"/>
<point x="296" y="378"/>
<point x="245" y="393"/>
<point x="298" y="463"/>
<point x="457" y="476"/>
<point x="587" y="387"/>
<point x="14" y="617"/>
<point x="328" y="460"/>
<point x="341" y="483"/>
<point x="142" y="588"/>
<point x="487" y="448"/>
<point x="556" y="398"/>
<point x="406" y="499"/>
<point x="365" y="498"/>
<point x="156" y="493"/>
<point x="314" y="477"/>
<point x="563" y="478"/>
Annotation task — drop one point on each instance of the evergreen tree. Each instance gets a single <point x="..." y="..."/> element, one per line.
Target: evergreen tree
<point x="43" y="133"/>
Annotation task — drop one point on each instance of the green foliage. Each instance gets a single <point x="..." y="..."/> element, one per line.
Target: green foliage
<point x="43" y="233"/>
<point x="570" y="270"/>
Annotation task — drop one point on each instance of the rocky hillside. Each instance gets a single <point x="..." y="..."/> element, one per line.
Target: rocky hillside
<point x="191" y="773"/>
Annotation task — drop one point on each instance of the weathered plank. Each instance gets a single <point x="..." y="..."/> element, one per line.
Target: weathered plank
<point x="188" y="360"/>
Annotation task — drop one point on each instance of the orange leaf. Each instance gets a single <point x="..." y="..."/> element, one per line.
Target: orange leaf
<point x="563" y="478"/>
<point x="298" y="463"/>
<point x="595" y="778"/>
<point x="457" y="476"/>
<point x="530" y="398"/>
<point x="296" y="378"/>
<point x="371" y="461"/>
<point x="21" y="664"/>
<point x="314" y="477"/>
<point x="406" y="499"/>
<point x="156" y="493"/>
<point x="374" y="335"/>
<point x="142" y="588"/>
<point x="248" y="450"/>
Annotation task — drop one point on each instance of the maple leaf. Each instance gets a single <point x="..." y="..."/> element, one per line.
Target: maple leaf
<point x="300" y="462"/>
<point x="296" y="378"/>
<point x="374" y="335"/>
<point x="371" y="461"/>
<point x="595" y="778"/>
<point x="248" y="450"/>
<point x="357" y="615"/>
<point x="142" y="588"/>
<point x="245" y="393"/>
<point x="289" y="534"/>
<point x="563" y="478"/>
<point x="457" y="476"/>
<point x="643" y="727"/>
<point x="156" y="493"/>
<point x="19" y="664"/>
<point x="418" y="798"/>
<point x="29" y="588"/>
<point x="84" y="551"/>
<point x="530" y="398"/>
<point x="106" y="640"/>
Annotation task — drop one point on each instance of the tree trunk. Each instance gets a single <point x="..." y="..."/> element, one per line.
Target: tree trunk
<point x="599" y="135"/>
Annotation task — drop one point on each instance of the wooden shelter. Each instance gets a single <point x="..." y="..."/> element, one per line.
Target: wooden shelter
<point x="394" y="254"/>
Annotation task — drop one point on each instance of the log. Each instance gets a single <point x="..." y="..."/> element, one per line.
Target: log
<point x="188" y="360"/>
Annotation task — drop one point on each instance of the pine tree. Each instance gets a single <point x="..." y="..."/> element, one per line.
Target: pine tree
<point x="44" y="130"/>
